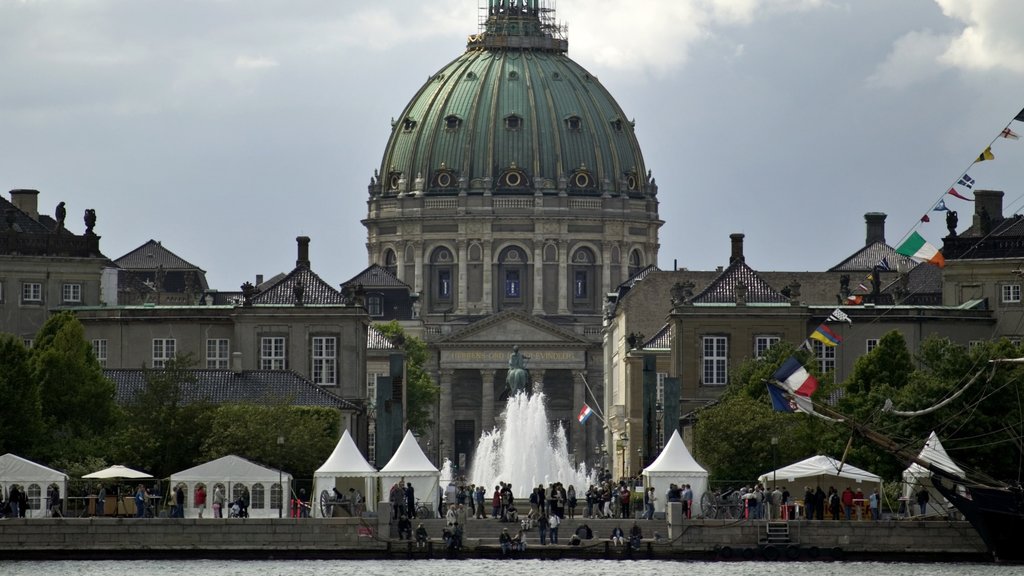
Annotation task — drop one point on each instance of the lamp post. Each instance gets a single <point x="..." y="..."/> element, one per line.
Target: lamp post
<point x="775" y="459"/>
<point x="623" y="446"/>
<point x="280" y="476"/>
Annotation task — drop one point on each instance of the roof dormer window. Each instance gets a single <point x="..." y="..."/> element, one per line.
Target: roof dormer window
<point x="574" y="123"/>
<point x="408" y="124"/>
<point x="452" y="123"/>
<point x="513" y="122"/>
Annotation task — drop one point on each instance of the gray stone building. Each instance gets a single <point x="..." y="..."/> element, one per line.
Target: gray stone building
<point x="512" y="196"/>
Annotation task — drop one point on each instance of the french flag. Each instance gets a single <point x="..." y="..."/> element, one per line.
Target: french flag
<point x="585" y="413"/>
<point x="795" y="379"/>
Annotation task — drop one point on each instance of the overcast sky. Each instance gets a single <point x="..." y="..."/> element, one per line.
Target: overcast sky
<point x="226" y="128"/>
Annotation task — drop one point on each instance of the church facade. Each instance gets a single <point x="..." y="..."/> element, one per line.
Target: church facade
<point x="513" y="196"/>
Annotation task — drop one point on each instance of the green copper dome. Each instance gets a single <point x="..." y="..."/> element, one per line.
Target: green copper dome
<point x="513" y="115"/>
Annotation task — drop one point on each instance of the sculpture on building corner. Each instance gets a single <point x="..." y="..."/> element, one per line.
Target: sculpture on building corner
<point x="90" y="220"/>
<point x="951" y="221"/>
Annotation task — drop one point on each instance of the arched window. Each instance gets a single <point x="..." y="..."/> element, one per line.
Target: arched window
<point x="391" y="262"/>
<point x="442" y="277"/>
<point x="636" y="262"/>
<point x="583" y="278"/>
<point x="258" y="496"/>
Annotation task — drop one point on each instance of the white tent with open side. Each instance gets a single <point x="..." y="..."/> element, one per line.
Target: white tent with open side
<point x="344" y="469"/>
<point x="234" y="474"/>
<point x="675" y="465"/>
<point x="34" y="479"/>
<point x="411" y="465"/>
<point x="821" y="471"/>
<point x="916" y="477"/>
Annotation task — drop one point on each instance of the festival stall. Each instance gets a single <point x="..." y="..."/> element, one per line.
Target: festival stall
<point x="234" y="475"/>
<point x="917" y="477"/>
<point x="675" y="465"/>
<point x="411" y="465"/>
<point x="344" y="469"/>
<point x="32" y="478"/>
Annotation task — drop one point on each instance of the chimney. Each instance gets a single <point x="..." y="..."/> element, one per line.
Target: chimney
<point x="27" y="201"/>
<point x="303" y="259"/>
<point x="259" y="280"/>
<point x="737" y="248"/>
<point x="875" y="227"/>
<point x="988" y="202"/>
<point x="236" y="363"/>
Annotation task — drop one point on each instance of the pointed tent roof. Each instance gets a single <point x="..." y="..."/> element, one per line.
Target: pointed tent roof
<point x="675" y="457"/>
<point x="934" y="453"/>
<point x="820" y="466"/>
<point x="346" y="460"/>
<point x="409" y="458"/>
<point x="18" y="469"/>
<point x="229" y="467"/>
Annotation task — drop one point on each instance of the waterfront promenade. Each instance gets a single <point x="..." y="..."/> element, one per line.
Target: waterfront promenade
<point x="373" y="538"/>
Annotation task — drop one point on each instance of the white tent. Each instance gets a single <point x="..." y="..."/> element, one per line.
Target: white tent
<point x="34" y="479"/>
<point x="821" y="471"/>
<point x="675" y="465"/>
<point x="233" y="473"/>
<point x="916" y="476"/>
<point x="410" y="465"/>
<point x="345" y="468"/>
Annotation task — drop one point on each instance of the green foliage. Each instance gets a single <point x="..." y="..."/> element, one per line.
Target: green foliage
<point x="77" y="400"/>
<point x="889" y="363"/>
<point x="421" y="392"/>
<point x="20" y="405"/>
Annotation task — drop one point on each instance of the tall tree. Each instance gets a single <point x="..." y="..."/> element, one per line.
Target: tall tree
<point x="421" y="392"/>
<point x="21" y="410"/>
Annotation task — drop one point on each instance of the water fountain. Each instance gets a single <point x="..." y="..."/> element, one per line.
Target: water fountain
<point x="524" y="452"/>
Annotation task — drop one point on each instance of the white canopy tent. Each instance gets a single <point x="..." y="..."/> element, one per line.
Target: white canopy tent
<point x="675" y="465"/>
<point x="345" y="468"/>
<point x="234" y="473"/>
<point x="823" y="471"/>
<point x="916" y="476"/>
<point x="411" y="465"/>
<point x="34" y="479"/>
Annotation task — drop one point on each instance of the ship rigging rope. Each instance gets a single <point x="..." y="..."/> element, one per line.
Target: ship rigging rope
<point x="889" y="407"/>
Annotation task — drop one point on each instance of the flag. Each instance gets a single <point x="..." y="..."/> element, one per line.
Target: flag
<point x="855" y="299"/>
<point x="952" y="192"/>
<point x="884" y="263"/>
<point x="862" y="287"/>
<point x="925" y="218"/>
<point x="1019" y="117"/>
<point x="826" y="336"/>
<point x="795" y="379"/>
<point x="986" y="155"/>
<point x="585" y="413"/>
<point x="917" y="248"/>
<point x="1009" y="134"/>
<point x="940" y="207"/>
<point x="838" y="315"/>
<point x="783" y="402"/>
<point x="966" y="181"/>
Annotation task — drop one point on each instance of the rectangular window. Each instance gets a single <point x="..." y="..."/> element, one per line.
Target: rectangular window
<point x="1011" y="293"/>
<point x="99" y="350"/>
<point x="512" y="289"/>
<point x="325" y="360"/>
<point x="218" y="353"/>
<point x="371" y="387"/>
<point x="375" y="305"/>
<point x="272" y="353"/>
<point x="31" y="292"/>
<point x="71" y="293"/>
<point x="715" y="360"/>
<point x="870" y="344"/>
<point x="444" y="284"/>
<point x="826" y="356"/>
<point x="163" y="350"/>
<point x="580" y="286"/>
<point x="974" y="344"/>
<point x="28" y="342"/>
<point x="763" y="343"/>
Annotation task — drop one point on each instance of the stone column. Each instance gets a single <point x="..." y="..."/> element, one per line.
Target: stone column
<point x="563" y="277"/>
<point x="538" y="276"/>
<point x="445" y="425"/>
<point x="488" y="378"/>
<point x="488" y="290"/>
<point x="399" y="260"/>
<point x="418" y="285"/>
<point x="606" y="272"/>
<point x="460" y="307"/>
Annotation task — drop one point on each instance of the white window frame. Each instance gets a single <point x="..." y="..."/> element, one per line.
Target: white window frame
<point x="325" y="360"/>
<point x="99" y="350"/>
<point x="163" y="350"/>
<point x="28" y="342"/>
<point x="870" y="344"/>
<point x="71" y="292"/>
<point x="1010" y="293"/>
<point x="273" y="353"/>
<point x="715" y="360"/>
<point x="826" y="356"/>
<point x="218" y="353"/>
<point x="763" y="342"/>
<point x="32" y="292"/>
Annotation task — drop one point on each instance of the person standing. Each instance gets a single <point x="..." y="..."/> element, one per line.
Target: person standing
<point x="179" y="500"/>
<point x="200" y="499"/>
<point x="873" y="503"/>
<point x="140" y="501"/>
<point x="649" y="504"/>
<point x="553" y="522"/>
<point x="847" y="499"/>
<point x="410" y="500"/>
<point x="101" y="502"/>
<point x="14" y="499"/>
<point x="218" y="502"/>
<point x="922" y="500"/>
<point x="542" y="529"/>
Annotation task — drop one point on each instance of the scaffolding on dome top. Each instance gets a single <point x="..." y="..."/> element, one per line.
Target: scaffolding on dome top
<point x="545" y="10"/>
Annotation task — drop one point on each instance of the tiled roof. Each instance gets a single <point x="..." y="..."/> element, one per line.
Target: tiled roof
<point x="376" y="276"/>
<point x="23" y="223"/>
<point x="315" y="290"/>
<point x="865" y="259"/>
<point x="225" y="387"/>
<point x="662" y="340"/>
<point x="151" y="255"/>
<point x="723" y="289"/>
<point x="376" y="341"/>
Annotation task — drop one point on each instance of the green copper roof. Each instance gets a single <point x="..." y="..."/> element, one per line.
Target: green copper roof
<point x="513" y="114"/>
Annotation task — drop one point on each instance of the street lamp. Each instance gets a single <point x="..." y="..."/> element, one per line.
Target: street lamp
<point x="775" y="459"/>
<point x="280" y="476"/>
<point x="623" y="444"/>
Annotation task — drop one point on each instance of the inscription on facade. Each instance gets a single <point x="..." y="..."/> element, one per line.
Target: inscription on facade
<point x="538" y="358"/>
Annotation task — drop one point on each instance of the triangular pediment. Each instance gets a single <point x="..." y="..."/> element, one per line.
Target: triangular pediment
<point x="512" y="326"/>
